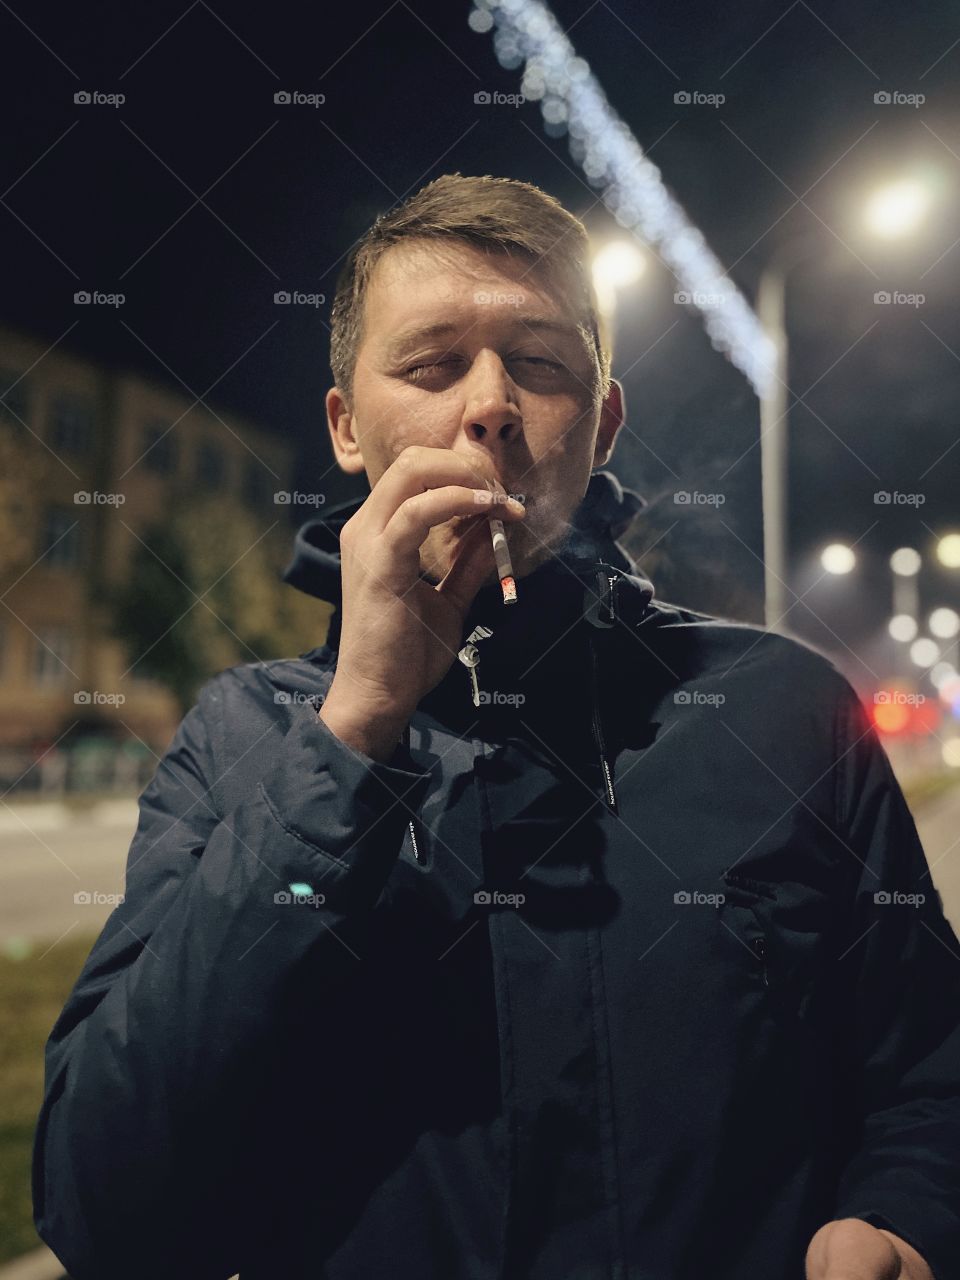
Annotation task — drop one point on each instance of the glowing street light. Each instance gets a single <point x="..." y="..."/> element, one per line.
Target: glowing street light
<point x="905" y="562"/>
<point x="903" y="627"/>
<point x="898" y="209"/>
<point x="924" y="652"/>
<point x="838" y="558"/>
<point x="616" y="266"/>
<point x="944" y="623"/>
<point x="948" y="550"/>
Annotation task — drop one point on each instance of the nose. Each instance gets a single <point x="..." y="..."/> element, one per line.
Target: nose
<point x="491" y="413"/>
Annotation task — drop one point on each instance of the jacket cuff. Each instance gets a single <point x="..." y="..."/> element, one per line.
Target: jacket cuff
<point x="927" y="1228"/>
<point x="336" y="802"/>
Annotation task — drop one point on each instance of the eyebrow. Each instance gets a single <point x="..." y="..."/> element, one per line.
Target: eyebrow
<point x="444" y="328"/>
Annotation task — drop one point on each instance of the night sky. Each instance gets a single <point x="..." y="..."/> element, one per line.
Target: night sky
<point x="198" y="198"/>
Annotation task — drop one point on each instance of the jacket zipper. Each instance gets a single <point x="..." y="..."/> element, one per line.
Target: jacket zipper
<point x="413" y="826"/>
<point x="610" y="794"/>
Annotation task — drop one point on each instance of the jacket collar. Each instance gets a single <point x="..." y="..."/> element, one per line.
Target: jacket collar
<point x="587" y="574"/>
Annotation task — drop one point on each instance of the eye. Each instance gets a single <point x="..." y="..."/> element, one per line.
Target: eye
<point x="415" y="371"/>
<point x="541" y="362"/>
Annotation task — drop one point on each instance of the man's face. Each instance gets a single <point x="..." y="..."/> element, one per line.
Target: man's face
<point x="473" y="352"/>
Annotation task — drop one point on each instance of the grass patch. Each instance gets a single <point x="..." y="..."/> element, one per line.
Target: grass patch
<point x="33" y="990"/>
<point x="920" y="790"/>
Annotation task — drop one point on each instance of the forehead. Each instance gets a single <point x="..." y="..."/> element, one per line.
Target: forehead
<point x="420" y="282"/>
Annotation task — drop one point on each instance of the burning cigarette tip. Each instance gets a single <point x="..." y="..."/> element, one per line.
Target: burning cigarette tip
<point x="504" y="564"/>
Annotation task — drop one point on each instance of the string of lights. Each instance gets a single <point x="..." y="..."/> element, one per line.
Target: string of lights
<point x="525" y="32"/>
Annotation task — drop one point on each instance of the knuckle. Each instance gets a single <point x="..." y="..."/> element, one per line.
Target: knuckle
<point x="410" y="458"/>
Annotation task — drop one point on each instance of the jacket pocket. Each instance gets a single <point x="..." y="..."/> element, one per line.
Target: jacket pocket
<point x="782" y="930"/>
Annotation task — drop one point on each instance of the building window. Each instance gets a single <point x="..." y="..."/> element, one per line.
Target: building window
<point x="60" y="538"/>
<point x="53" y="655"/>
<point x="14" y="398"/>
<point x="159" y="448"/>
<point x="210" y="466"/>
<point x="71" y="425"/>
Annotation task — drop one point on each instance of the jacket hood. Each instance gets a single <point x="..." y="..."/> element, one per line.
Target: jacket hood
<point x="604" y="514"/>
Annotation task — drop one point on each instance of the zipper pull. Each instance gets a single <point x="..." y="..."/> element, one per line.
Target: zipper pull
<point x="469" y="655"/>
<point x="610" y="794"/>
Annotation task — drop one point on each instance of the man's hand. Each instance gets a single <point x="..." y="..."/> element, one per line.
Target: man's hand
<point x="851" y="1249"/>
<point x="399" y="634"/>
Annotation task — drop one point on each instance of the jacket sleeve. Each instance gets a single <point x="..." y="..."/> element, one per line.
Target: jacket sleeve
<point x="904" y="1015"/>
<point x="142" y="1162"/>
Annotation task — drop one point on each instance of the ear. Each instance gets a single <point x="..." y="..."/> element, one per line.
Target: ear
<point x="340" y="422"/>
<point x="612" y="417"/>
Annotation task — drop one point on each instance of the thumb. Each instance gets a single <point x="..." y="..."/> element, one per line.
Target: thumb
<point x="851" y="1249"/>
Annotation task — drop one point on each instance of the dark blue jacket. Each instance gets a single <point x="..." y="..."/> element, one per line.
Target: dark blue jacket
<point x="633" y="971"/>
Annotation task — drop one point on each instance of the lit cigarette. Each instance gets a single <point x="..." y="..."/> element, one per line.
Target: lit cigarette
<point x="501" y="552"/>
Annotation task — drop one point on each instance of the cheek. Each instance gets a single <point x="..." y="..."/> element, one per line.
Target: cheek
<point x="425" y="423"/>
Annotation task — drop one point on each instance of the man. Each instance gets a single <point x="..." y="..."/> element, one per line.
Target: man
<point x="583" y="937"/>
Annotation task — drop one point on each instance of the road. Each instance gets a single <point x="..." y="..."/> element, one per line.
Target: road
<point x="48" y="855"/>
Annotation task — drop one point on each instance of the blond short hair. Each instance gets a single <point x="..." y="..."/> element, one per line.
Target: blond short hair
<point x="500" y="215"/>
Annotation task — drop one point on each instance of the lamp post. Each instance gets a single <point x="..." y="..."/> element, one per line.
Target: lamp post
<point x="893" y="211"/>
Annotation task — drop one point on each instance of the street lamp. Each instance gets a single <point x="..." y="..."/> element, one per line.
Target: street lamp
<point x="895" y="210"/>
<point x="619" y="264"/>
<point x="948" y="550"/>
<point x="838" y="558"/>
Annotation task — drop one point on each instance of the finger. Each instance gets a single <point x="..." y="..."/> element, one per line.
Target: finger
<point x="418" y="469"/>
<point x="408" y="528"/>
